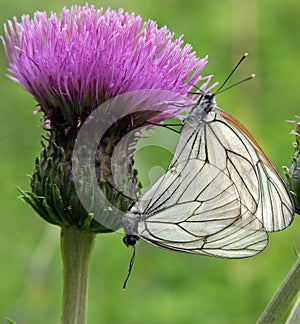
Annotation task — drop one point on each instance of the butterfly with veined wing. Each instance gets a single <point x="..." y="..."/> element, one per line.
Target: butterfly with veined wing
<point x="220" y="195"/>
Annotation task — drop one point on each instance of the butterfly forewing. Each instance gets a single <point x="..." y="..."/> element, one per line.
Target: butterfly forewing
<point x="275" y="205"/>
<point x="219" y="139"/>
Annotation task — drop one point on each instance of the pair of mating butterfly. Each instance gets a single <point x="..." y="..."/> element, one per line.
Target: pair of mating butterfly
<point x="220" y="196"/>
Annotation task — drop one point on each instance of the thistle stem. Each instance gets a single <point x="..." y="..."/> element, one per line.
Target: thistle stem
<point x="76" y="250"/>
<point x="283" y="297"/>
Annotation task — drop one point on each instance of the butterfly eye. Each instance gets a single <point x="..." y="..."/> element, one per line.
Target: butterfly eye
<point x="130" y="240"/>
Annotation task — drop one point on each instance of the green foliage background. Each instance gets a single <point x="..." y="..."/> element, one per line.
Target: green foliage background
<point x="165" y="287"/>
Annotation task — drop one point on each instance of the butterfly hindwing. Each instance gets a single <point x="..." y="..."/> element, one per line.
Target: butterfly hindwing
<point x="196" y="208"/>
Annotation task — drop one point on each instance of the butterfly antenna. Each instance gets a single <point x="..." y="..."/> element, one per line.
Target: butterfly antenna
<point x="231" y="73"/>
<point x="235" y="84"/>
<point x="130" y="268"/>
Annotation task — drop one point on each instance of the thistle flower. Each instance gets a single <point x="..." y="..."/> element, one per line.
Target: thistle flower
<point x="73" y="64"/>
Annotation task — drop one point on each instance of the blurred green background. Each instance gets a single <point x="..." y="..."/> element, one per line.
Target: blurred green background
<point x="165" y="287"/>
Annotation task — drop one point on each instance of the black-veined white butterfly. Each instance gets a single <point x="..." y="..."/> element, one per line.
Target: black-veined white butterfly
<point x="220" y="195"/>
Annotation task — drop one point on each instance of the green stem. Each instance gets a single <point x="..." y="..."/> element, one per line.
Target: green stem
<point x="76" y="250"/>
<point x="294" y="316"/>
<point x="283" y="297"/>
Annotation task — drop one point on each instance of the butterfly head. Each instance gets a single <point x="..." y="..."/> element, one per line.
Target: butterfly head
<point x="130" y="240"/>
<point x="207" y="102"/>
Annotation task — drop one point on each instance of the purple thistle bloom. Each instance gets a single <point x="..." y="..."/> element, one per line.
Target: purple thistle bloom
<point x="73" y="64"/>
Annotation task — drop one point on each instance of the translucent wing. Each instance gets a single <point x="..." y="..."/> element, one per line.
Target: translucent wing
<point x="195" y="208"/>
<point x="222" y="141"/>
<point x="275" y="208"/>
<point x="220" y="196"/>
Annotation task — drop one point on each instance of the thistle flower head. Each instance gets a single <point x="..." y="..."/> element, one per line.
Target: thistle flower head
<point x="72" y="64"/>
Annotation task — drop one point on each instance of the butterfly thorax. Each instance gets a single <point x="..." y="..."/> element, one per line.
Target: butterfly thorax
<point x="207" y="102"/>
<point x="202" y="110"/>
<point x="130" y="225"/>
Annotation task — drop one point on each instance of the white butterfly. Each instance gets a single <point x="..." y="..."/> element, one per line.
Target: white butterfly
<point x="220" y="196"/>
